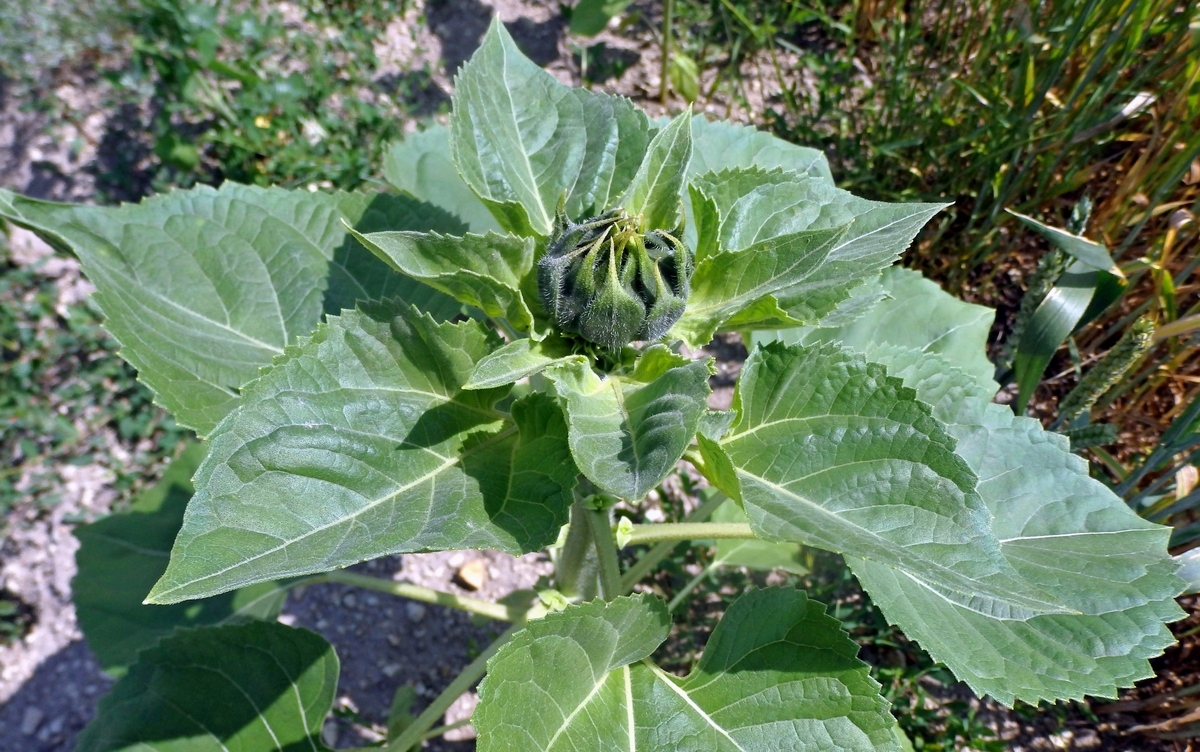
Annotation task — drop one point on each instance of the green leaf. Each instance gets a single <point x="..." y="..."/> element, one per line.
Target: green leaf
<point x="625" y="437"/>
<point x="361" y="443"/>
<point x="831" y="452"/>
<point x="202" y="288"/>
<point x="1051" y="323"/>
<point x="522" y="141"/>
<point x="656" y="193"/>
<point x="421" y="166"/>
<point x="121" y="557"/>
<point x="656" y="360"/>
<point x="744" y="208"/>
<point x="684" y="75"/>
<point x="918" y="315"/>
<point x="1093" y="256"/>
<point x="253" y="688"/>
<point x="484" y="271"/>
<point x="516" y="360"/>
<point x="1063" y="532"/>
<point x="777" y="673"/>
<point x="753" y="553"/>
<point x="729" y="284"/>
<point x="590" y="17"/>
<point x="719" y="145"/>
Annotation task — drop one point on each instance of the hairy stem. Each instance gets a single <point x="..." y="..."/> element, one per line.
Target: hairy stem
<point x="415" y="733"/>
<point x="575" y="573"/>
<point x="479" y="606"/>
<point x="606" y="554"/>
<point x="652" y="558"/>
<point x="678" y="531"/>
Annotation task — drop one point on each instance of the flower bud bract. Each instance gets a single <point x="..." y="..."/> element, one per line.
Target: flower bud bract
<point x="609" y="283"/>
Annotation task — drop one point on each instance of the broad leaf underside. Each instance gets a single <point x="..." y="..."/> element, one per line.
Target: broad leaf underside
<point x="777" y="673"/>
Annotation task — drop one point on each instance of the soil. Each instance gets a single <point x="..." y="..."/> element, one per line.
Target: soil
<point x="49" y="683"/>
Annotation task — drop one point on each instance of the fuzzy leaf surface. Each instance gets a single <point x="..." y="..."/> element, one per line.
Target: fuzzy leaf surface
<point x="916" y="314"/>
<point x="740" y="210"/>
<point x="625" y="437"/>
<point x="719" y="145"/>
<point x="202" y="288"/>
<point x="1063" y="532"/>
<point x="121" y="557"/>
<point x="521" y="140"/>
<point x="831" y="452"/>
<point x="485" y="271"/>
<point x="656" y="193"/>
<point x="516" y="360"/>
<point x="361" y="442"/>
<point x="777" y="673"/>
<point x="254" y="688"/>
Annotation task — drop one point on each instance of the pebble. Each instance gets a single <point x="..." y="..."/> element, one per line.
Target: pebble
<point x="472" y="575"/>
<point x="329" y="733"/>
<point x="414" y="611"/>
<point x="391" y="669"/>
<point x="31" y="720"/>
<point x="349" y="600"/>
<point x="394" y="640"/>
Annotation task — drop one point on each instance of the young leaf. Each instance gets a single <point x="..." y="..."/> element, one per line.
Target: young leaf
<point x="121" y="557"/>
<point x="202" y="288"/>
<point x="743" y="208"/>
<point x="729" y="284"/>
<point x="1059" y="313"/>
<point x="521" y="140"/>
<point x="360" y="443"/>
<point x="484" y="271"/>
<point x="831" y="452"/>
<point x="1062" y="531"/>
<point x="421" y="166"/>
<point x="1093" y="256"/>
<point x="516" y="360"/>
<point x="256" y="688"/>
<point x="916" y="314"/>
<point x="656" y="193"/>
<point x="625" y="437"/>
<point x="777" y="673"/>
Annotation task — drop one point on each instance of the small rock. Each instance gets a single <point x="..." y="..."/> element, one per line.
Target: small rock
<point x="420" y="689"/>
<point x="322" y="624"/>
<point x="394" y="640"/>
<point x="371" y="601"/>
<point x="472" y="575"/>
<point x="415" y="612"/>
<point x="31" y="720"/>
<point x="349" y="600"/>
<point x="329" y="733"/>
<point x="391" y="669"/>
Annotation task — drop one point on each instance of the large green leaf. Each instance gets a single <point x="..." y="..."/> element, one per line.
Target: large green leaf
<point x="251" y="688"/>
<point x="202" y="288"/>
<point x="485" y="271"/>
<point x="1063" y="532"/>
<point x="777" y="674"/>
<point x="656" y="193"/>
<point x="831" y="452"/>
<point x="625" y="436"/>
<point x="360" y="443"/>
<point x="122" y="556"/>
<point x="522" y="141"/>
<point x="916" y="314"/>
<point x="421" y="166"/>
<point x="718" y="145"/>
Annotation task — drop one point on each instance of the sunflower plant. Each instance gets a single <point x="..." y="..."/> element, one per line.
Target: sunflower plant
<point x="501" y="354"/>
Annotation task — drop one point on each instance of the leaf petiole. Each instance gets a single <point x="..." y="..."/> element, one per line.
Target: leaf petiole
<point x="606" y="552"/>
<point x="680" y="531"/>
<point x="466" y="603"/>
<point x="653" y="557"/>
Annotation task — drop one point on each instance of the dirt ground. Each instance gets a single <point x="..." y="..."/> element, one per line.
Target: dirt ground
<point x="49" y="683"/>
